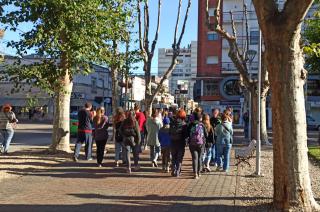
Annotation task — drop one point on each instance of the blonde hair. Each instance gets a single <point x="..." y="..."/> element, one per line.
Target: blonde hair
<point x="99" y="115"/>
<point x="206" y="122"/>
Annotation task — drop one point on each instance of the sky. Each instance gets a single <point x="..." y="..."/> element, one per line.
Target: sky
<point x="168" y="19"/>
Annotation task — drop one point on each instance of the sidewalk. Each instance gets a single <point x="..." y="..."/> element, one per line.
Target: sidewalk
<point x="58" y="184"/>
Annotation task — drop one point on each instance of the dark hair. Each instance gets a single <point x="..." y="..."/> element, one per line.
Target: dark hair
<point x="197" y="116"/>
<point x="136" y="107"/>
<point x="130" y="121"/>
<point x="155" y="113"/>
<point x="87" y="105"/>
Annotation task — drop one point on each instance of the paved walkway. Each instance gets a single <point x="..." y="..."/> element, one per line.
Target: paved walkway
<point x="68" y="186"/>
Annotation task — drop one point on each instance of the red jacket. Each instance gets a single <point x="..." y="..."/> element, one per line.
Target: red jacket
<point x="141" y="119"/>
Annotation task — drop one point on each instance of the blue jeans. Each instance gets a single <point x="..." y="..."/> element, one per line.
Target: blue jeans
<point x="210" y="154"/>
<point x="7" y="137"/>
<point x="85" y="138"/>
<point x="223" y="150"/>
<point x="154" y="152"/>
<point x="118" y="151"/>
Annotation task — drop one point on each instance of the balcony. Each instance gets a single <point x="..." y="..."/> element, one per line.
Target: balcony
<point x="229" y="68"/>
<point x="238" y="16"/>
<point x="241" y="41"/>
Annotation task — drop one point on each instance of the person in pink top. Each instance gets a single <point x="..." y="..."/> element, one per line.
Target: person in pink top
<point x="141" y="119"/>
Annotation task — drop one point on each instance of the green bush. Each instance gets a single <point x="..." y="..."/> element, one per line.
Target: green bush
<point x="314" y="152"/>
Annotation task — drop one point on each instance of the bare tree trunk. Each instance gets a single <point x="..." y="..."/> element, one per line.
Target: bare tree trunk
<point x="292" y="187"/>
<point x="61" y="121"/>
<point x="264" y="130"/>
<point x="148" y="87"/>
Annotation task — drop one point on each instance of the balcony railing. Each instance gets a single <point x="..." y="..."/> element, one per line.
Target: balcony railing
<point x="230" y="67"/>
<point x="238" y="16"/>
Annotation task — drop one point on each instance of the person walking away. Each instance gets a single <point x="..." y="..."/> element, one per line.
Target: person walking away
<point x="119" y="151"/>
<point x="197" y="138"/>
<point x="100" y="123"/>
<point x="178" y="134"/>
<point x="84" y="132"/>
<point x="165" y="142"/>
<point x="8" y="122"/>
<point x="153" y="126"/>
<point x="224" y="133"/>
<point x="246" y="124"/>
<point x="210" y="143"/>
<point x="130" y="133"/>
<point x="141" y="119"/>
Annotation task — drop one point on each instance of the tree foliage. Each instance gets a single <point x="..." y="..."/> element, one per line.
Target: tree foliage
<point x="79" y="29"/>
<point x="312" y="40"/>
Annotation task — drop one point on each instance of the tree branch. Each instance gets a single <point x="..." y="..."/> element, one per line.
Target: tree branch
<point x="234" y="54"/>
<point x="294" y="12"/>
<point x="265" y="10"/>
<point x="154" y="43"/>
<point x="141" y="39"/>
<point x="177" y="25"/>
<point x="146" y="27"/>
<point x="175" y="47"/>
<point x="184" y="23"/>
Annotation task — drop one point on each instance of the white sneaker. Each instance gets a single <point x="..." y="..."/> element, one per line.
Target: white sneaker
<point x="268" y="143"/>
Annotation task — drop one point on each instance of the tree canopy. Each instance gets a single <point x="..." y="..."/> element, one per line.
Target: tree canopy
<point x="78" y="29"/>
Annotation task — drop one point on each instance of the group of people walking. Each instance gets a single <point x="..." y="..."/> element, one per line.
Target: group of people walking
<point x="166" y="133"/>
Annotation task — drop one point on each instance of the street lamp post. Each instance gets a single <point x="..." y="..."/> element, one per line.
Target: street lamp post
<point x="258" y="160"/>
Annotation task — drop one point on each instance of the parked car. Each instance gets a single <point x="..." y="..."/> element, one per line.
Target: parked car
<point x="74" y="124"/>
<point x="312" y="123"/>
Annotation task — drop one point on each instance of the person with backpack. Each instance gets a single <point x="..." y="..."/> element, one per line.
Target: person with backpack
<point x="178" y="134"/>
<point x="8" y="123"/>
<point x="210" y="143"/>
<point x="224" y="142"/>
<point x="165" y="142"/>
<point x="197" y="139"/>
<point x="153" y="126"/>
<point x="119" y="151"/>
<point x="100" y="123"/>
<point x="130" y="133"/>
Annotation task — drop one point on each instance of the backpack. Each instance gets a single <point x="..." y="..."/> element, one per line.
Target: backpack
<point x="129" y="134"/>
<point x="197" y="135"/>
<point x="176" y="131"/>
<point x="118" y="135"/>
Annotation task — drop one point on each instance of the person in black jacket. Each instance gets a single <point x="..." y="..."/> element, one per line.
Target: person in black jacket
<point x="131" y="138"/>
<point x="178" y="135"/>
<point x="84" y="132"/>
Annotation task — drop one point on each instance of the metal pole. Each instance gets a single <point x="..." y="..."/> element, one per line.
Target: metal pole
<point x="258" y="160"/>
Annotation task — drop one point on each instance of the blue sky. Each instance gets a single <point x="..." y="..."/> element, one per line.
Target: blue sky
<point x="168" y="18"/>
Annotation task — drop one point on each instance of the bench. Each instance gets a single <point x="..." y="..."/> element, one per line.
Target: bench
<point x="245" y="154"/>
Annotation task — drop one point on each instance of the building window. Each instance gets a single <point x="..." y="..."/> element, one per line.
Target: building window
<point x="254" y="37"/>
<point x="232" y="88"/>
<point x="211" y="60"/>
<point x="211" y="11"/>
<point x="179" y="61"/>
<point x="210" y="88"/>
<point x="212" y="36"/>
<point x="94" y="85"/>
<point x="188" y="70"/>
<point x="187" y="75"/>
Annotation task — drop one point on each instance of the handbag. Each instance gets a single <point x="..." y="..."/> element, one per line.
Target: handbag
<point x="12" y="122"/>
<point x="101" y="134"/>
<point x="129" y="141"/>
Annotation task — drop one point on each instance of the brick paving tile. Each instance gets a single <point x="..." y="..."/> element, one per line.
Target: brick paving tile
<point x="69" y="186"/>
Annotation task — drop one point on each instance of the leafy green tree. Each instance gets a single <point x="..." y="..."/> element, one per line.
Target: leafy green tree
<point x="312" y="39"/>
<point x="69" y="35"/>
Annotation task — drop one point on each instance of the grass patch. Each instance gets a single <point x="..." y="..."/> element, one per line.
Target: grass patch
<point x="314" y="152"/>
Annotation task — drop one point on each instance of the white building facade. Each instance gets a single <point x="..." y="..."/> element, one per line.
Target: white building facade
<point x="181" y="80"/>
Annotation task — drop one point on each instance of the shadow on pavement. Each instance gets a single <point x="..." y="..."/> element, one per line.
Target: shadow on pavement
<point x="133" y="206"/>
